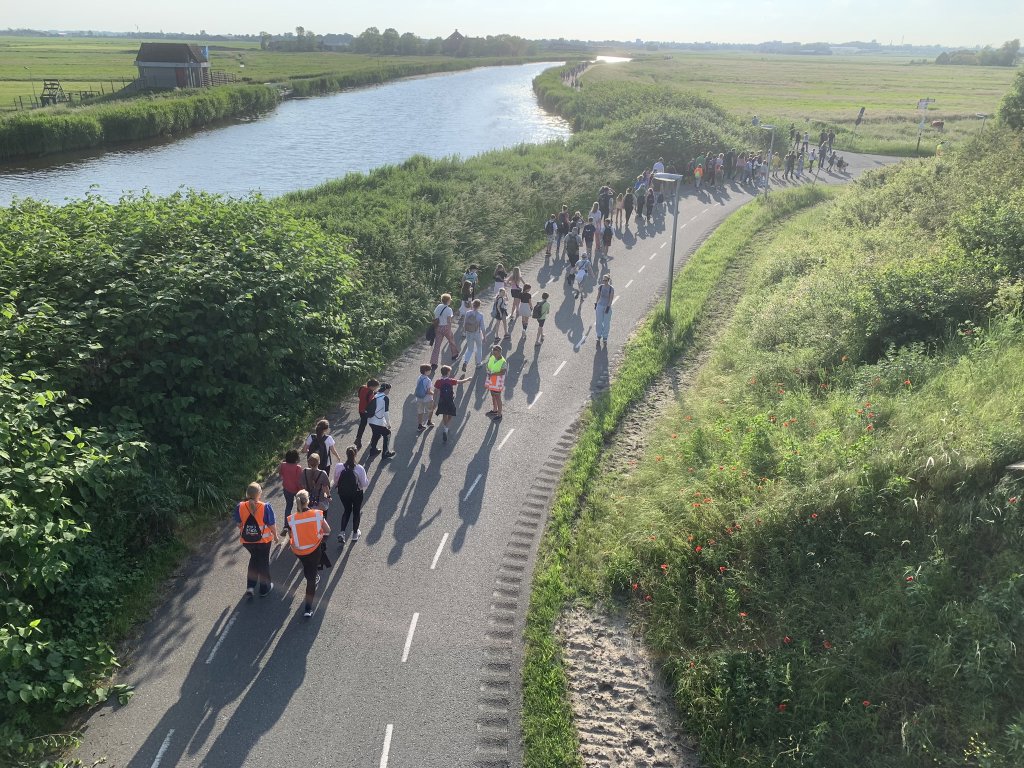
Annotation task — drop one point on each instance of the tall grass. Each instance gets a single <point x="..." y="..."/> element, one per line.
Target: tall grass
<point x="822" y="541"/>
<point x="44" y="132"/>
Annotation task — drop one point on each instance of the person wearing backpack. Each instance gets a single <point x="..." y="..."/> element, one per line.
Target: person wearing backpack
<point x="316" y="483"/>
<point x="551" y="233"/>
<point x="365" y="393"/>
<point x="445" y="389"/>
<point x="307" y="529"/>
<point x="257" y="530"/>
<point x="582" y="270"/>
<point x="607" y="237"/>
<point x="540" y="314"/>
<point x="351" y="482"/>
<point x="443" y="319"/>
<point x="572" y="253"/>
<point x="563" y="229"/>
<point x="499" y="311"/>
<point x="424" y="399"/>
<point x="322" y="444"/>
<point x="380" y="421"/>
<point x="473" y="325"/>
<point x="526" y="306"/>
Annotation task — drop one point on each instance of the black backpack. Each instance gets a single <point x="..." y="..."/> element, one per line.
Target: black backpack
<point x="318" y="445"/>
<point x="348" y="486"/>
<point x="251" y="531"/>
<point x="538" y="309"/>
<point x="371" y="408"/>
<point x="549" y="227"/>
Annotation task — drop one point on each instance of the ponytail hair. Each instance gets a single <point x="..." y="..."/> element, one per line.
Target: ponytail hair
<point x="302" y="500"/>
<point x="350" y="457"/>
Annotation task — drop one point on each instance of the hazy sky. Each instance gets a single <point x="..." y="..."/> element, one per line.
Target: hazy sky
<point x="946" y="22"/>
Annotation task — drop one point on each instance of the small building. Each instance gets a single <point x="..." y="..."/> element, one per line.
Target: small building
<point x="453" y="43"/>
<point x="173" y="65"/>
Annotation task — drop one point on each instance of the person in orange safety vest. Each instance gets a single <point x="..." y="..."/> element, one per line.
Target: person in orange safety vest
<point x="257" y="529"/>
<point x="308" y="528"/>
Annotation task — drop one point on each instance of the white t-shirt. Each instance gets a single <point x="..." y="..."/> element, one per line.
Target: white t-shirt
<point x="443" y="314"/>
<point x="360" y="473"/>
<point x="659" y="167"/>
<point x="329" y="442"/>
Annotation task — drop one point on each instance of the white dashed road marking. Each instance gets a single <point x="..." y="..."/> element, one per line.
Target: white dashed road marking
<point x="642" y="268"/>
<point x="408" y="637"/>
<point x="629" y="284"/>
<point x="437" y="555"/>
<point x="502" y="444"/>
<point x="163" y="749"/>
<point x="533" y="403"/>
<point x="387" y="746"/>
<point x="223" y="634"/>
<point x="472" y="488"/>
<point x="615" y="299"/>
<point x="559" y="368"/>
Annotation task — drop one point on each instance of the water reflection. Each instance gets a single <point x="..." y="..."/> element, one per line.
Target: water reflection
<point x="307" y="141"/>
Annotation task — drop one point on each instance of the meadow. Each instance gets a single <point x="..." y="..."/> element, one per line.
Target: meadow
<point x="815" y="91"/>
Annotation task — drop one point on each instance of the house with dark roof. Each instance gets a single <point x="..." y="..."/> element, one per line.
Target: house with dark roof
<point x="173" y="65"/>
<point x="453" y="43"/>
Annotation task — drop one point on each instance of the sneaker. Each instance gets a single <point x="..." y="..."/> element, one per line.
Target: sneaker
<point x="250" y="592"/>
<point x="444" y="435"/>
<point x="420" y="427"/>
<point x="389" y="454"/>
<point x="308" y="613"/>
<point x="430" y="423"/>
<point x="270" y="588"/>
<point x="455" y="356"/>
<point x="374" y="451"/>
<point x="359" y="444"/>
<point x="356" y="535"/>
<point x="463" y="367"/>
<point x="491" y="413"/>
<point x="497" y="417"/>
<point x="341" y="539"/>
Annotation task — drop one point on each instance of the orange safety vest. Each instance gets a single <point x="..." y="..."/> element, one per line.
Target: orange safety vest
<point x="307" y="531"/>
<point x="244" y="510"/>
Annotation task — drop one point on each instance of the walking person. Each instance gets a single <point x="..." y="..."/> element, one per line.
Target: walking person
<point x="649" y="204"/>
<point x="257" y="530"/>
<point x="424" y="395"/>
<point x="368" y="390"/>
<point x="582" y="270"/>
<point x="603" y="308"/>
<point x="589" y="230"/>
<point x="606" y="239"/>
<point x="497" y="367"/>
<point x="541" y="310"/>
<point x="620" y="207"/>
<point x="351" y="482"/>
<point x="550" y="233"/>
<point x="499" y="311"/>
<point x="472" y="276"/>
<point x="563" y="229"/>
<point x="317" y="484"/>
<point x="291" y="479"/>
<point x="525" y="306"/>
<point x="572" y="253"/>
<point x="515" y="288"/>
<point x="322" y="444"/>
<point x="307" y="529"/>
<point x="628" y="203"/>
<point x="444" y="388"/>
<point x="473" y="325"/>
<point x="380" y="420"/>
<point x="443" y="318"/>
<point x="499" y="277"/>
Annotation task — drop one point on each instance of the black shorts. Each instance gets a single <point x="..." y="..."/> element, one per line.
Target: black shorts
<point x="540" y="322"/>
<point x="516" y="293"/>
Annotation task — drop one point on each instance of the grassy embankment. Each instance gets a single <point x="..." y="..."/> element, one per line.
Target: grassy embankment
<point x="822" y="544"/>
<point x="827" y="91"/>
<point x="83" y="64"/>
<point x="137" y="323"/>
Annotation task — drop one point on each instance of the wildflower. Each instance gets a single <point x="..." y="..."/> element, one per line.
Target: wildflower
<point x="690" y="537"/>
<point x="866" y="703"/>
<point x="782" y="707"/>
<point x="743" y="614"/>
<point x="844" y="358"/>
<point x="707" y="500"/>
<point x="654" y="538"/>
<point x="870" y="427"/>
<point x="721" y="569"/>
<point x="906" y="382"/>
<point x="698" y="549"/>
<point x="787" y="640"/>
<point x="636" y="587"/>
<point x="1013" y="499"/>
<point x="693" y="664"/>
<point x="782" y="391"/>
<point x="910" y="578"/>
<point x="689" y="418"/>
<point x="689" y="469"/>
<point x="721" y="468"/>
<point x="827" y="645"/>
<point x="674" y="435"/>
<point x="647" y="598"/>
<point x="814" y="515"/>
<point x="867" y="405"/>
<point x="658" y="458"/>
<point x="696" y="505"/>
<point x="664" y="566"/>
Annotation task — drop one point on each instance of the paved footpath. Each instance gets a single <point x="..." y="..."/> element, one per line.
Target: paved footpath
<point x="412" y="658"/>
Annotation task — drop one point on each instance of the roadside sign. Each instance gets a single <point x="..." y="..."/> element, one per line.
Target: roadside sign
<point x="923" y="103"/>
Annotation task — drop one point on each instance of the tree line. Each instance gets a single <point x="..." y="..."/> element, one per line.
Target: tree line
<point x="1003" y="56"/>
<point x="391" y="43"/>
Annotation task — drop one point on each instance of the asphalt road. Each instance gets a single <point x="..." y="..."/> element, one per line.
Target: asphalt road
<point x="411" y="659"/>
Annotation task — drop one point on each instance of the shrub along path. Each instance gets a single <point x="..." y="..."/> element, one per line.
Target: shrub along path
<point x="412" y="656"/>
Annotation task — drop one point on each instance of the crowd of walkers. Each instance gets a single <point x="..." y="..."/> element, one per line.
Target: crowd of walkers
<point x="459" y="331"/>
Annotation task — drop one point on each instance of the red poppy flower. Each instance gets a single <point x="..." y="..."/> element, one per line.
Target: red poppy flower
<point x="787" y="639"/>
<point x="647" y="598"/>
<point x="814" y="515"/>
<point x="721" y="569"/>
<point x="743" y="614"/>
<point x="1013" y="499"/>
<point x="906" y="382"/>
<point x="866" y="703"/>
<point x="782" y="707"/>
<point x="827" y="645"/>
<point x="698" y="549"/>
<point x="636" y="587"/>
<point x="870" y="427"/>
<point x="664" y="566"/>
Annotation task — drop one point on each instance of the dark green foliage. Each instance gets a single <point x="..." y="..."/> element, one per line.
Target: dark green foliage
<point x="1011" y="110"/>
<point x="43" y="132"/>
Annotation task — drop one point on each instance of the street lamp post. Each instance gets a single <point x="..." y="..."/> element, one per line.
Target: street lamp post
<point x="771" y="146"/>
<point x="677" y="178"/>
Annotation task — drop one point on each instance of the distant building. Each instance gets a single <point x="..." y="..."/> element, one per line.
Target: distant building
<point x="452" y="45"/>
<point x="173" y="65"/>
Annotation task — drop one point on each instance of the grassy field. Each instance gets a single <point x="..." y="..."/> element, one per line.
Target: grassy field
<point x="808" y="90"/>
<point x="90" y="63"/>
<point x="822" y="543"/>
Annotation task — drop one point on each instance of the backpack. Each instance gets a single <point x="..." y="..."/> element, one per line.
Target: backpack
<point x="371" y="408"/>
<point x="538" y="309"/>
<point x="316" y="493"/>
<point x="549" y="227"/>
<point x="251" y="532"/>
<point x="348" y="485"/>
<point x="422" y="386"/>
<point x="563" y="223"/>
<point x="318" y="445"/>
<point x="472" y="322"/>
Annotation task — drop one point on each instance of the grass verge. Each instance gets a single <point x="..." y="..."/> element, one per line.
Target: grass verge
<point x="548" y="730"/>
